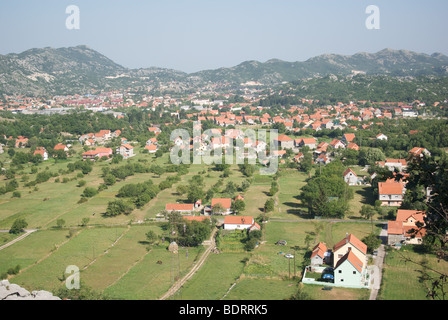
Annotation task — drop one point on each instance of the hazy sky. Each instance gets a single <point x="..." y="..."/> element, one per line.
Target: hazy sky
<point x="193" y="35"/>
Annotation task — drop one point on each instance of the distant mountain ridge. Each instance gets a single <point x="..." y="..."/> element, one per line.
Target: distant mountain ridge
<point x="79" y="69"/>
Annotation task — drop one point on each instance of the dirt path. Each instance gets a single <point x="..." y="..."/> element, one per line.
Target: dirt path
<point x="196" y="267"/>
<point x="23" y="236"/>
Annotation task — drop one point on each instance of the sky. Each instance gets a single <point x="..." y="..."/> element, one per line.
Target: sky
<point x="194" y="35"/>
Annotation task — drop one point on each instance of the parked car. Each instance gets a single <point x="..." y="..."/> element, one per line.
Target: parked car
<point x="289" y="256"/>
<point x="328" y="276"/>
<point x="281" y="242"/>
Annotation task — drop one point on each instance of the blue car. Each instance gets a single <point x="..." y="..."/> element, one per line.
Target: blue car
<point x="328" y="276"/>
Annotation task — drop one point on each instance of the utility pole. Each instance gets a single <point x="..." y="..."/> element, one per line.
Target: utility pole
<point x="289" y="263"/>
<point x="294" y="262"/>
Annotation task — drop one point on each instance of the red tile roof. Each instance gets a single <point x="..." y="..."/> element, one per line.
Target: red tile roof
<point x="354" y="241"/>
<point x="179" y="206"/>
<point x="388" y="188"/>
<point x="238" y="220"/>
<point x="353" y="259"/>
<point x="226" y="203"/>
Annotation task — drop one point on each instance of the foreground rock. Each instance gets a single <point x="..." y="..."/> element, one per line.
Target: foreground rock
<point x="10" y="291"/>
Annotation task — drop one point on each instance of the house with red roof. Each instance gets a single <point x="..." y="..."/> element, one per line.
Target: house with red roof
<point x="391" y="193"/>
<point x="308" y="142"/>
<point x="21" y="142"/>
<point x="353" y="146"/>
<point x="417" y="154"/>
<point x="349" y="271"/>
<point x="350" y="177"/>
<point x="336" y="144"/>
<point x="392" y="164"/>
<point x="42" y="152"/>
<point x="183" y="208"/>
<point x="225" y="203"/>
<point x="97" y="153"/>
<point x="240" y="223"/>
<point x="320" y="254"/>
<point x="352" y="244"/>
<point x="61" y="146"/>
<point x="126" y="150"/>
<point x="347" y="138"/>
<point x="284" y="142"/>
<point x="408" y="227"/>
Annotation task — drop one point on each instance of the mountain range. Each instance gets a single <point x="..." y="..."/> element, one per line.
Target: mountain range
<point x="49" y="71"/>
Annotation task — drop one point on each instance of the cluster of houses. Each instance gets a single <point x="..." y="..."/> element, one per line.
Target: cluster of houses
<point x="231" y="222"/>
<point x="99" y="138"/>
<point x="408" y="228"/>
<point x="346" y="262"/>
<point x="390" y="192"/>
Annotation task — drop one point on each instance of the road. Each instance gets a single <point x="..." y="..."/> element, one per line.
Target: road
<point x="377" y="269"/>
<point x="176" y="286"/>
<point x="23" y="236"/>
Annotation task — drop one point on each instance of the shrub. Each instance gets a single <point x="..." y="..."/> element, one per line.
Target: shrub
<point x="16" y="194"/>
<point x="90" y="192"/>
<point x="82" y="183"/>
<point x="18" y="226"/>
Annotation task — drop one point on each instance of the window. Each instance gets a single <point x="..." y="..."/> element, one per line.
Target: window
<point x="354" y="272"/>
<point x="340" y="271"/>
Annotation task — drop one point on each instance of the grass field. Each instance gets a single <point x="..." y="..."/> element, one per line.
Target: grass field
<point x="115" y="260"/>
<point x="215" y="278"/>
<point x="404" y="280"/>
<point x="79" y="251"/>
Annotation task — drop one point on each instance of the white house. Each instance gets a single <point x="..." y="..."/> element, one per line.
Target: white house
<point x="391" y="193"/>
<point x="240" y="223"/>
<point x="350" y="177"/>
<point x="381" y="136"/>
<point x="126" y="150"/>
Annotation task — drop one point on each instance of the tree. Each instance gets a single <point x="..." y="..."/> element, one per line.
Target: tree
<point x="117" y="207"/>
<point x="306" y="164"/>
<point x="181" y="189"/>
<point x="18" y="226"/>
<point x="269" y="205"/>
<point x="250" y="244"/>
<point x="109" y="180"/>
<point x="151" y="236"/>
<point x="89" y="192"/>
<point x="218" y="209"/>
<point x="367" y="212"/>
<point x="372" y="242"/>
<point x="238" y="206"/>
<point x="431" y="175"/>
<point x="60" y="223"/>
<point x="84" y="221"/>
<point x="158" y="170"/>
<point x="369" y="156"/>
<point x="195" y="193"/>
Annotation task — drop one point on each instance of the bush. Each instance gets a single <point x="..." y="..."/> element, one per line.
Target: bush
<point x="16" y="194"/>
<point x="82" y="200"/>
<point x="251" y="244"/>
<point x="90" y="192"/>
<point x="115" y="208"/>
<point x="18" y="226"/>
<point x="82" y="183"/>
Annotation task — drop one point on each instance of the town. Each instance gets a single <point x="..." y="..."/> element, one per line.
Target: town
<point x="89" y="181"/>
